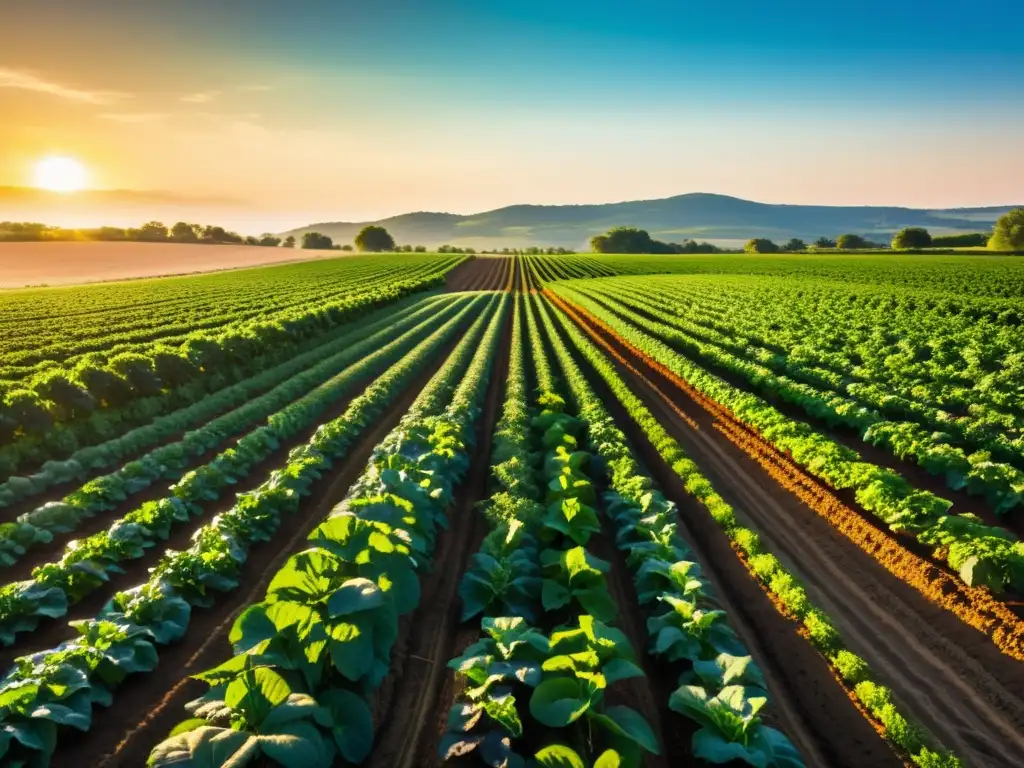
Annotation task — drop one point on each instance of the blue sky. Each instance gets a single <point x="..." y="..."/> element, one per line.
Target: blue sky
<point x="370" y="108"/>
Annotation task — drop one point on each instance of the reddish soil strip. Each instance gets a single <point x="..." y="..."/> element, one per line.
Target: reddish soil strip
<point x="118" y="736"/>
<point x="949" y="676"/>
<point x="408" y="706"/>
<point x="851" y="438"/>
<point x="34" y="264"/>
<point x="480" y="273"/>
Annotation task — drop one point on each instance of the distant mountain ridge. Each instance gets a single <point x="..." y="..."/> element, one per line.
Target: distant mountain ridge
<point x="699" y="216"/>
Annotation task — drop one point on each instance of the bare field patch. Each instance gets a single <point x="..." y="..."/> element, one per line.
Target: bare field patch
<point x="68" y="263"/>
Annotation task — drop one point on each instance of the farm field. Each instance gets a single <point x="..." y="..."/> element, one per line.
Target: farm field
<point x="71" y="263"/>
<point x="419" y="510"/>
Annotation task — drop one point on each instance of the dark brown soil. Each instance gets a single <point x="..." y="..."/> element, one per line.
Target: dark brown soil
<point x="481" y="273"/>
<point x="949" y="676"/>
<point x="118" y="737"/>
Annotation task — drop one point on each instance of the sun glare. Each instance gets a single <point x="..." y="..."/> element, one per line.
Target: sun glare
<point x="60" y="174"/>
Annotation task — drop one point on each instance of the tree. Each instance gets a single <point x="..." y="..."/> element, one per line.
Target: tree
<point x="250" y="240"/>
<point x="346" y="247"/>
<point x="622" y="240"/>
<point x="1008" y="234"/>
<point x="420" y="249"/>
<point x="795" y="244"/>
<point x="289" y="242"/>
<point x="966" y="240"/>
<point x="824" y="242"/>
<point x="912" y="237"/>
<point x="270" y="241"/>
<point x="150" y="232"/>
<point x="316" y="241"/>
<point x="760" y="245"/>
<point x="850" y="242"/>
<point x="218" y="235"/>
<point x="183" y="232"/>
<point x="374" y="239"/>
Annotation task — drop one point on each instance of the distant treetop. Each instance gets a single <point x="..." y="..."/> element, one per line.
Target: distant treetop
<point x="374" y="239"/>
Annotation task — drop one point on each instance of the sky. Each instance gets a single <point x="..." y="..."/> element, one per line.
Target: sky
<point x="313" y="110"/>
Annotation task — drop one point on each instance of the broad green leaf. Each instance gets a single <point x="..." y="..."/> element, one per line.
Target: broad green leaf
<point x="558" y="702"/>
<point x="632" y="724"/>
<point x="353" y="723"/>
<point x="559" y="756"/>
<point x="298" y="745"/>
<point x="608" y="759"/>
<point x="620" y="669"/>
<point x="206" y="747"/>
<point x="353" y="596"/>
<point x="255" y="693"/>
<point x="351" y="650"/>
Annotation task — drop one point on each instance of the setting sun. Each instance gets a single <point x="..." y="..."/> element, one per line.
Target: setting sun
<point x="60" y="174"/>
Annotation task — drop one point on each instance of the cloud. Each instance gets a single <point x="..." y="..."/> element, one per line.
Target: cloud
<point x="256" y="88"/>
<point x="133" y="117"/>
<point x="203" y="97"/>
<point x="29" y="81"/>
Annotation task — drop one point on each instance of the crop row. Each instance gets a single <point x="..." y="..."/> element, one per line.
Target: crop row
<point x="931" y="437"/>
<point x="308" y="657"/>
<point x="35" y="339"/>
<point x="88" y="563"/>
<point x="64" y="409"/>
<point x="59" y="687"/>
<point x="954" y="277"/>
<point x="721" y="690"/>
<point x="821" y="631"/>
<point x="979" y="553"/>
<point x="221" y="413"/>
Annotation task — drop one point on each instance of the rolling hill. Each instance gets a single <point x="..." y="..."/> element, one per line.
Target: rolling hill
<point x="718" y="218"/>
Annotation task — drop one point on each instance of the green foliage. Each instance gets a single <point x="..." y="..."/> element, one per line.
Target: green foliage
<point x="850" y="242"/>
<point x="912" y="237"/>
<point x="1008" y="233"/>
<point x="314" y="240"/>
<point x="971" y="240"/>
<point x="373" y="238"/>
<point x="760" y="245"/>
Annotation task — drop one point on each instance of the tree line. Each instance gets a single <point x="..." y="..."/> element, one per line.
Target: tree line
<point x="150" y="232"/>
<point x="633" y="240"/>
<point x="1007" y="235"/>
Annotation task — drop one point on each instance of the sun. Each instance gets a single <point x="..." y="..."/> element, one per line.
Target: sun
<point x="60" y="174"/>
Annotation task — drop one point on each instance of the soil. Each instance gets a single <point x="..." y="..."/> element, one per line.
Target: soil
<point x="949" y="676"/>
<point x="482" y="273"/>
<point x="46" y="264"/>
<point x="118" y="737"/>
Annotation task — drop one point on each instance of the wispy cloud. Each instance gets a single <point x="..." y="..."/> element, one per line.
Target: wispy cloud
<point x="203" y="97"/>
<point x="29" y="81"/>
<point x="133" y="117"/>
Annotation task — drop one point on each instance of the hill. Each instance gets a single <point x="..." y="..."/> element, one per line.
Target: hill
<point x="719" y="218"/>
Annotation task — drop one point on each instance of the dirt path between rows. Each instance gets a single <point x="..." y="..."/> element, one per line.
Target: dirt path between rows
<point x="118" y="737"/>
<point x="948" y="675"/>
<point x="480" y="273"/>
